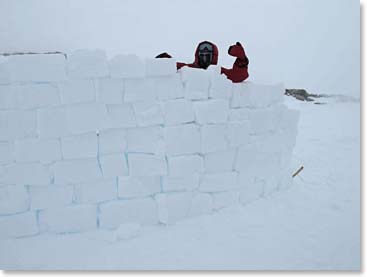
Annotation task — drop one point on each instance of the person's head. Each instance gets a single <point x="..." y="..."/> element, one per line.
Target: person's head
<point x="206" y="54"/>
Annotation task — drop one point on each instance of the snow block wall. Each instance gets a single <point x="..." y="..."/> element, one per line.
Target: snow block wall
<point x="88" y="143"/>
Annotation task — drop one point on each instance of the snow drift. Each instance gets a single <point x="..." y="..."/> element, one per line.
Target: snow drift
<point x="88" y="143"/>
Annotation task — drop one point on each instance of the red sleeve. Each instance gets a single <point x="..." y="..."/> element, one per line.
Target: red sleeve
<point x="239" y="71"/>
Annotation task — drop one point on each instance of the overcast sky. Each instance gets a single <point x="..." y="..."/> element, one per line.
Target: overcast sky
<point x="312" y="44"/>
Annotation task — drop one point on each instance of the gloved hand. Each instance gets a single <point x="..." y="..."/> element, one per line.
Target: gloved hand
<point x="237" y="51"/>
<point x="163" y="55"/>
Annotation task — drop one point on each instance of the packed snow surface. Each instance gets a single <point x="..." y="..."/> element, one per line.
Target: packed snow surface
<point x="314" y="224"/>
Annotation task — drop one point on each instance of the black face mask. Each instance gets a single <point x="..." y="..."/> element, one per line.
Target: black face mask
<point x="205" y="55"/>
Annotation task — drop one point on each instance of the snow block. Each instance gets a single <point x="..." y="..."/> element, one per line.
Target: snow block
<point x="76" y="171"/>
<point x="77" y="91"/>
<point x="72" y="219"/>
<point x="220" y="87"/>
<point x="6" y="152"/>
<point x="19" y="225"/>
<point x="83" y="118"/>
<point x="183" y="139"/>
<point x="225" y="199"/>
<point x="113" y="165"/>
<point x="250" y="191"/>
<point x="148" y="113"/>
<point x="25" y="174"/>
<point x="37" y="68"/>
<point x="180" y="183"/>
<point x="80" y="146"/>
<point x="7" y="97"/>
<point x="120" y="116"/>
<point x="160" y="67"/>
<point x="33" y="96"/>
<point x="13" y="199"/>
<point x="211" y="111"/>
<point x="201" y="204"/>
<point x="169" y="87"/>
<point x="129" y="187"/>
<point x="96" y="191"/>
<point x="145" y="140"/>
<point x="112" y="141"/>
<point x="110" y="91"/>
<point x="139" y="90"/>
<point x="214" y="138"/>
<point x="51" y="122"/>
<point x="37" y="150"/>
<point x="219" y="182"/>
<point x="239" y="114"/>
<point x="196" y="83"/>
<point x="147" y="165"/>
<point x="17" y="124"/>
<point x="85" y="64"/>
<point x="239" y="133"/>
<point x="185" y="165"/>
<point x="173" y="206"/>
<point x="127" y="231"/>
<point x="264" y="120"/>
<point x="178" y="111"/>
<point x="126" y="66"/>
<point x="143" y="211"/>
<point x="222" y="161"/>
<point x="50" y="197"/>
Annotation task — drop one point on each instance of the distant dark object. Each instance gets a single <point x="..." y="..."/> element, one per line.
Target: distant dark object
<point x="31" y="53"/>
<point x="302" y="94"/>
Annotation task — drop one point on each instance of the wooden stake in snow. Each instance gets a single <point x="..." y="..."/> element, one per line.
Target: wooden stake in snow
<point x="297" y="172"/>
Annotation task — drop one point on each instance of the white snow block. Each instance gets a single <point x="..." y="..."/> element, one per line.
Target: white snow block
<point x="85" y="64"/>
<point x="220" y="87"/>
<point x="120" y="116"/>
<point x="79" y="146"/>
<point x="145" y="140"/>
<point x="113" y="165"/>
<point x="180" y="183"/>
<point x="127" y="231"/>
<point x="169" y="87"/>
<point x="33" y="96"/>
<point x="17" y="124"/>
<point x="19" y="225"/>
<point x="143" y="211"/>
<point x="139" y="90"/>
<point x="147" y="165"/>
<point x="77" y="91"/>
<point x="110" y="91"/>
<point x="37" y="68"/>
<point x="219" y="182"/>
<point x="264" y="120"/>
<point x="76" y="171"/>
<point x="173" y="206"/>
<point x="96" y="191"/>
<point x="37" y="150"/>
<point x="25" y="174"/>
<point x="5" y="74"/>
<point x="6" y="152"/>
<point x="225" y="199"/>
<point x="160" y="67"/>
<point x="50" y="197"/>
<point x="239" y="133"/>
<point x="222" y="161"/>
<point x="211" y="111"/>
<point x="126" y="66"/>
<point x="88" y="117"/>
<point x="178" y="111"/>
<point x="214" y="138"/>
<point x="129" y="187"/>
<point x="148" y="113"/>
<point x="196" y="83"/>
<point x="289" y="119"/>
<point x="185" y="165"/>
<point x="72" y="219"/>
<point x="51" y="122"/>
<point x="245" y="157"/>
<point x="183" y="139"/>
<point x="13" y="199"/>
<point x="7" y="97"/>
<point x="112" y="141"/>
<point x="250" y="191"/>
<point x="239" y="114"/>
<point x="201" y="204"/>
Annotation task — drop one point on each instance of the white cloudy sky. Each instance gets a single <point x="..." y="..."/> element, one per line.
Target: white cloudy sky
<point x="314" y="44"/>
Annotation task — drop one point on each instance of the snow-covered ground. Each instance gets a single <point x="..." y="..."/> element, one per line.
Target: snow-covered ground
<point x="315" y="224"/>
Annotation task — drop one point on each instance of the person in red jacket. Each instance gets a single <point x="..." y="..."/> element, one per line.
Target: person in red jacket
<point x="206" y="54"/>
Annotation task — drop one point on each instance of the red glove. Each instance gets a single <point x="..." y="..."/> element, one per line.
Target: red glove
<point x="237" y="51"/>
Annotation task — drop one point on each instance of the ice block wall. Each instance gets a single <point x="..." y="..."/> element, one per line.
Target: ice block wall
<point x="87" y="142"/>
